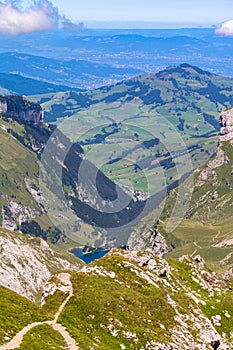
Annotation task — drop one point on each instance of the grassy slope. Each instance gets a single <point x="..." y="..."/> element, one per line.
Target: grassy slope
<point x="124" y="303"/>
<point x="42" y="338"/>
<point x="127" y="303"/>
<point x="17" y="164"/>
<point x="199" y="238"/>
<point x="16" y="312"/>
<point x="207" y="229"/>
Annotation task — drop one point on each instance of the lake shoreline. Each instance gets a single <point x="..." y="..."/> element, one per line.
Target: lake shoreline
<point x="89" y="255"/>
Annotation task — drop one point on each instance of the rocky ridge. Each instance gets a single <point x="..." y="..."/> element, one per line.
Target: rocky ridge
<point x="196" y="300"/>
<point x="150" y="239"/>
<point x="14" y="213"/>
<point x="136" y="300"/>
<point x="226" y="123"/>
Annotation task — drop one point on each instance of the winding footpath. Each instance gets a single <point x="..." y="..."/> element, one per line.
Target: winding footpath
<point x="70" y="342"/>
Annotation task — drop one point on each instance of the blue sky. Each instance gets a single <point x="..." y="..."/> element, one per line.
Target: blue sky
<point x="164" y="11"/>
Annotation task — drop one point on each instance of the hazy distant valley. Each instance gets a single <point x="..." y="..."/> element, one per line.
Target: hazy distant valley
<point x="102" y="57"/>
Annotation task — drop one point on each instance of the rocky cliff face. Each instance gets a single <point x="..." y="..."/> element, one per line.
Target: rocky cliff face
<point x="150" y="239"/>
<point x="14" y="214"/>
<point x="27" y="263"/>
<point x="19" y="107"/>
<point x="3" y="105"/>
<point x="226" y="134"/>
<point x="226" y="124"/>
<point x="213" y="192"/>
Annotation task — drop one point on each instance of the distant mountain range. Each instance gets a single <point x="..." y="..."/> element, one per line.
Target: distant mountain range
<point x="172" y="89"/>
<point x="146" y="50"/>
<point x="18" y="84"/>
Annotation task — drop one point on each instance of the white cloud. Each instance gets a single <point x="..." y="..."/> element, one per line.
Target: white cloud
<point x="226" y="28"/>
<point x="40" y="15"/>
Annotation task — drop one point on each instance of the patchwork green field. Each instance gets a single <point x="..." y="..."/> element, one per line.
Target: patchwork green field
<point x="139" y="130"/>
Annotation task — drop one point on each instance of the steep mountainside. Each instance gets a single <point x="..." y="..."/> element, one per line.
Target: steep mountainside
<point x="130" y="300"/>
<point x="213" y="198"/>
<point x="21" y="199"/>
<point x="207" y="228"/>
<point x="20" y="108"/>
<point x="17" y="84"/>
<point x="27" y="263"/>
<point x="18" y="171"/>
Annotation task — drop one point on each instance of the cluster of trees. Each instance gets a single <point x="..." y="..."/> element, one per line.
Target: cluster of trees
<point x="53" y="234"/>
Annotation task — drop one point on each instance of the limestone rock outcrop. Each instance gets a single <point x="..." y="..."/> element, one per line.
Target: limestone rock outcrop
<point x="19" y="107"/>
<point x="226" y="124"/>
<point x="27" y="263"/>
<point x="226" y="134"/>
<point x="150" y="239"/>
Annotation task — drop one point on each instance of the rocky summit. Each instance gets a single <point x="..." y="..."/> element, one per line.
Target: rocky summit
<point x="226" y="123"/>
